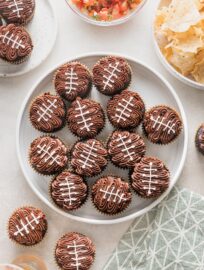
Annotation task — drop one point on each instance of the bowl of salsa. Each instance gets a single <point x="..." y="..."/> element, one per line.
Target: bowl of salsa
<point x="106" y="12"/>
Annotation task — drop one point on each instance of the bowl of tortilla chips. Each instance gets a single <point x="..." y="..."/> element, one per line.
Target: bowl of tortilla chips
<point x="179" y="39"/>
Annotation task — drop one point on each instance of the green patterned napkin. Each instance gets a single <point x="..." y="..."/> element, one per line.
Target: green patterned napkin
<point x="169" y="237"/>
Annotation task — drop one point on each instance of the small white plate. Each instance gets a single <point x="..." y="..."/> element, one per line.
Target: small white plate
<point x="43" y="30"/>
<point x="155" y="90"/>
<point x="166" y="64"/>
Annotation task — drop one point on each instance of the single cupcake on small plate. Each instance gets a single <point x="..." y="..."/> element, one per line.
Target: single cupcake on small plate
<point x="125" y="148"/>
<point x="48" y="113"/>
<point x="85" y="118"/>
<point x="89" y="158"/>
<point x="162" y="124"/>
<point x="150" y="177"/>
<point x="111" y="75"/>
<point x="73" y="80"/>
<point x="18" y="12"/>
<point x="75" y="251"/>
<point x="27" y="226"/>
<point x="48" y="155"/>
<point x="15" y="44"/>
<point x="126" y="110"/>
<point x="199" y="139"/>
<point x="68" y="191"/>
<point x="111" y="195"/>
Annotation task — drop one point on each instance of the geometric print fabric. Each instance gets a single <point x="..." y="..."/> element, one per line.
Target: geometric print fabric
<point x="169" y="237"/>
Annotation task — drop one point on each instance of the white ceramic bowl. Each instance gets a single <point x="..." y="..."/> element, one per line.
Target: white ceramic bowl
<point x="166" y="64"/>
<point x="86" y="18"/>
<point x="155" y="90"/>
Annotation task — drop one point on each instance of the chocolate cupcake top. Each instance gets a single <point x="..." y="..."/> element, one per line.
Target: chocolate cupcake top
<point x="27" y="226"/>
<point x="199" y="140"/>
<point x="125" y="148"/>
<point x="15" y="43"/>
<point x="85" y="118"/>
<point x="162" y="124"/>
<point x="48" y="155"/>
<point x="48" y="113"/>
<point x="126" y="110"/>
<point x="68" y="190"/>
<point x="75" y="251"/>
<point x="150" y="177"/>
<point x="111" y="75"/>
<point x="73" y="80"/>
<point x="111" y="195"/>
<point x="17" y="11"/>
<point x="89" y="158"/>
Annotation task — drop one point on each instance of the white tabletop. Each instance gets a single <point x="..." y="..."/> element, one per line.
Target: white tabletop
<point x="76" y="37"/>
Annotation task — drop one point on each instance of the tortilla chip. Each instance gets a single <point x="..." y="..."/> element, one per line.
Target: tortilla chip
<point x="185" y="62"/>
<point x="189" y="42"/>
<point x="198" y="72"/>
<point x="179" y="31"/>
<point x="199" y="4"/>
<point x="182" y="15"/>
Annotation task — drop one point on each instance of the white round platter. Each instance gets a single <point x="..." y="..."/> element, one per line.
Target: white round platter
<point x="166" y="64"/>
<point x="155" y="90"/>
<point x="43" y="30"/>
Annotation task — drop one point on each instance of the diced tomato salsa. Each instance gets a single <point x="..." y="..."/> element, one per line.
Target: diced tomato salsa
<point x="106" y="10"/>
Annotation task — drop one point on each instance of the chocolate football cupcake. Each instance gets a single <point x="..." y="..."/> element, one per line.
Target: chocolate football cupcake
<point x="48" y="155"/>
<point x="27" y="226"/>
<point x="150" y="177"/>
<point x="125" y="148"/>
<point x="73" y="80"/>
<point x="162" y="124"/>
<point x="111" y="195"/>
<point x="85" y="118"/>
<point x="68" y="190"/>
<point x="126" y="110"/>
<point x="15" y="44"/>
<point x="17" y="11"/>
<point x="199" y="139"/>
<point x="75" y="251"/>
<point x="48" y="113"/>
<point x="111" y="75"/>
<point x="89" y="158"/>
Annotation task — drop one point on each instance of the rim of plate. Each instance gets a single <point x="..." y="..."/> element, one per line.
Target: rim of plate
<point x="55" y="32"/>
<point x="167" y="65"/>
<point x="173" y="180"/>
<point x="12" y="266"/>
